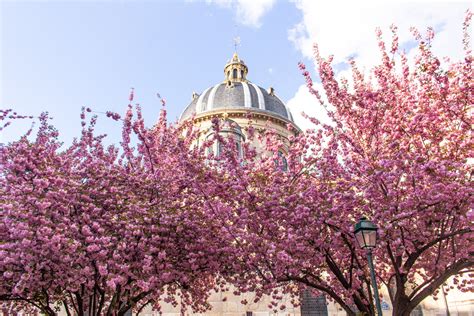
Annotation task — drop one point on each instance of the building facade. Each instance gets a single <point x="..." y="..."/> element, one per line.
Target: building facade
<point x="232" y="100"/>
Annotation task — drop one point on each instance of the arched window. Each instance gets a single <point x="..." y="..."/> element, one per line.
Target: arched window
<point x="231" y="134"/>
<point x="234" y="74"/>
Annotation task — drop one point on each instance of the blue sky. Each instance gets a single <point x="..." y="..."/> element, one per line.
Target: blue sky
<point x="57" y="56"/>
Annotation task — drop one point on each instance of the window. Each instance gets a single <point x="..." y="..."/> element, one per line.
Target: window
<point x="231" y="134"/>
<point x="281" y="162"/>
<point x="220" y="148"/>
<point x="234" y="74"/>
<point x="231" y="131"/>
<point x="249" y="314"/>
<point x="238" y="146"/>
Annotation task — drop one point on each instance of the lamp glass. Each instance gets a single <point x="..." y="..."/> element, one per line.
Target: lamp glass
<point x="366" y="233"/>
<point x="360" y="239"/>
<point x="370" y="238"/>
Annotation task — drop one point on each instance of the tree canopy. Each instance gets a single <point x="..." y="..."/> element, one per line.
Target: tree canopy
<point x="103" y="230"/>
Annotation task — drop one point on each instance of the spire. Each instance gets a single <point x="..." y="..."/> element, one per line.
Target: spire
<point x="235" y="70"/>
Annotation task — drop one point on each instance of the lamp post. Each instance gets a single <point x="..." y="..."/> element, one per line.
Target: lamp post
<point x="366" y="235"/>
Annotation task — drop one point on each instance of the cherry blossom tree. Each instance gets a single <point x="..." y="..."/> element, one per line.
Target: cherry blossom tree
<point x="96" y="230"/>
<point x="399" y="151"/>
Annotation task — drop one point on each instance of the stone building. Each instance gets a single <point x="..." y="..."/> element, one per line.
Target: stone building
<point x="231" y="100"/>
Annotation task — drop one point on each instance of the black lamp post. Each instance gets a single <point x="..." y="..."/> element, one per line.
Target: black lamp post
<point x="366" y="235"/>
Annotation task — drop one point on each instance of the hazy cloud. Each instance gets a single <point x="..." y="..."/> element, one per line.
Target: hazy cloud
<point x="347" y="29"/>
<point x="247" y="12"/>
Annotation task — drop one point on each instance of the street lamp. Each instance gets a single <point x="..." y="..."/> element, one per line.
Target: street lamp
<point x="366" y="235"/>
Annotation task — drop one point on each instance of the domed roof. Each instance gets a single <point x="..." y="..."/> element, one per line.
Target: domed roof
<point x="236" y="92"/>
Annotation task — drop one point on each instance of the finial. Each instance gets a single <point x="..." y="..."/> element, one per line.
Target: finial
<point x="236" y="43"/>
<point x="236" y="38"/>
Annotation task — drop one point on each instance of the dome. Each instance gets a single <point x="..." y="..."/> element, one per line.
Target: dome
<point x="236" y="92"/>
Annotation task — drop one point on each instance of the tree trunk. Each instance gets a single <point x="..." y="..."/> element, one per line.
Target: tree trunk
<point x="402" y="306"/>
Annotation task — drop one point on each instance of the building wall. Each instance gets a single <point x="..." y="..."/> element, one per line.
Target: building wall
<point x="259" y="121"/>
<point x="226" y="303"/>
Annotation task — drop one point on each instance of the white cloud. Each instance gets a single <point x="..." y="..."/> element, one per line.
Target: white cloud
<point x="248" y="12"/>
<point x="303" y="101"/>
<point x="347" y="29"/>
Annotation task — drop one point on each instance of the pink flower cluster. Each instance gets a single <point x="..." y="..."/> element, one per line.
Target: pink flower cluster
<point x="105" y="230"/>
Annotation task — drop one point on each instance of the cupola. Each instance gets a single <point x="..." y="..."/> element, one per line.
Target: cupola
<point x="236" y="92"/>
<point x="235" y="70"/>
